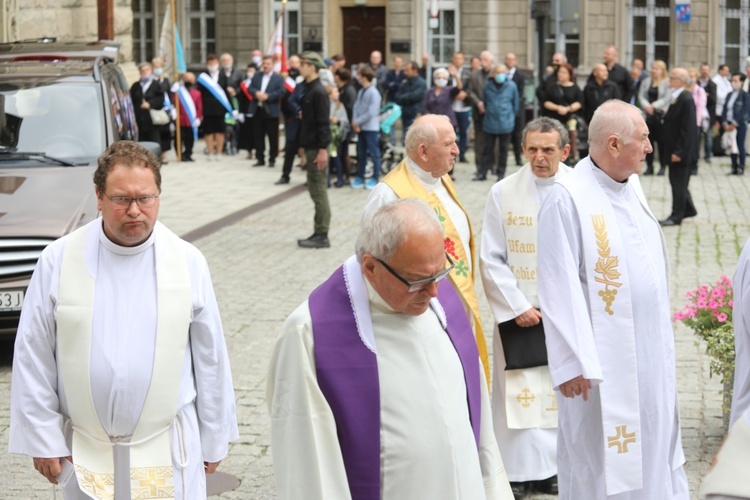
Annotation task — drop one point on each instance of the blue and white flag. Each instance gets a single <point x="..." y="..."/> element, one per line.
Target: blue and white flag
<point x="215" y="90"/>
<point x="188" y="107"/>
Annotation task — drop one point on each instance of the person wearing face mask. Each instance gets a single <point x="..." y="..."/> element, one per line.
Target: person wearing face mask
<point x="257" y="58"/>
<point x="165" y="135"/>
<point x="215" y="105"/>
<point x="734" y="118"/>
<point x="438" y="100"/>
<point x="246" y="137"/>
<point x="146" y="94"/>
<point x="501" y="103"/>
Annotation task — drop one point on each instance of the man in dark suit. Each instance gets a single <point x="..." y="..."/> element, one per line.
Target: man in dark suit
<point x="266" y="88"/>
<point x="734" y="119"/>
<point x="474" y="96"/>
<point x="146" y="94"/>
<point x="680" y="130"/>
<point x="516" y="77"/>
<point x="410" y="96"/>
<point x="617" y="73"/>
<point x="710" y="87"/>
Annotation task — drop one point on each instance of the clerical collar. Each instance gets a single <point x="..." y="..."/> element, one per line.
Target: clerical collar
<point x="121" y="250"/>
<point x="606" y="174"/>
<point x="422" y="175"/>
<point x="376" y="301"/>
<point x="545" y="181"/>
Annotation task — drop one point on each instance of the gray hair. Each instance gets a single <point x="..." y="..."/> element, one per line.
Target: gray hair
<point x="423" y="131"/>
<point x="389" y="226"/>
<point x="609" y="120"/>
<point x="546" y="125"/>
<point x="440" y="71"/>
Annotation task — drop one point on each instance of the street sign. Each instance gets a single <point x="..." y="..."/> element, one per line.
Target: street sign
<point x="682" y="12"/>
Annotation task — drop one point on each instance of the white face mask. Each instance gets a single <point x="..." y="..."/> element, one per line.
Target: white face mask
<point x="257" y="60"/>
<point x="441" y="82"/>
<point x="213" y="68"/>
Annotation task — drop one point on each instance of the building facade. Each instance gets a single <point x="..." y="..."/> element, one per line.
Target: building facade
<point x="718" y="30"/>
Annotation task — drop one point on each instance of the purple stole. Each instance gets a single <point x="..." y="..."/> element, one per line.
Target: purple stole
<point x="347" y="373"/>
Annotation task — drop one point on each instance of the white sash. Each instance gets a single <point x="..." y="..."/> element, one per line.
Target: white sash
<point x="151" y="474"/>
<point x="188" y="107"/>
<point x="614" y="332"/>
<point x="530" y="401"/>
<point x="215" y="90"/>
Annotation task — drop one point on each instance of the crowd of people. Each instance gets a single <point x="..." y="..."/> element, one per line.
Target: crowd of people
<point x="380" y="384"/>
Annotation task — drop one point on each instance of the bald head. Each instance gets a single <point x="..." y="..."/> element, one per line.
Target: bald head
<point x="610" y="55"/>
<point x="618" y="139"/>
<point x="600" y="72"/>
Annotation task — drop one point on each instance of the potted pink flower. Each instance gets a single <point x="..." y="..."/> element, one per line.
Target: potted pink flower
<point x="709" y="314"/>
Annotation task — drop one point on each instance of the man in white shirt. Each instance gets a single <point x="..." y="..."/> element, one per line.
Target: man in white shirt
<point x="524" y="409"/>
<point x="723" y="87"/>
<point x="604" y="292"/>
<point x="375" y="387"/>
<point x="120" y="363"/>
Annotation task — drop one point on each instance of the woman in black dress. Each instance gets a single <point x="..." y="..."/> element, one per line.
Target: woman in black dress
<point x="564" y="100"/>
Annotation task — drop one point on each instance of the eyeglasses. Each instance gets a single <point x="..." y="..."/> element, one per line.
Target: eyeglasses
<point x="416" y="286"/>
<point x="125" y="201"/>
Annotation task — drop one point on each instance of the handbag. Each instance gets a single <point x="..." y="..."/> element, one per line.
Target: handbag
<point x="523" y="346"/>
<point x="159" y="116"/>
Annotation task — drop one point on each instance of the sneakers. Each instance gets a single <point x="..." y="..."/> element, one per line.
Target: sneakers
<point x="318" y="240"/>
<point x="371" y="183"/>
<point x="357" y="182"/>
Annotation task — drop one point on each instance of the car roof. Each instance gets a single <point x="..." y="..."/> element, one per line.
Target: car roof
<point x="49" y="49"/>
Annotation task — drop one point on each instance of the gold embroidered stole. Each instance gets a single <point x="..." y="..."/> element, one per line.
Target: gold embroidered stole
<point x="406" y="186"/>
<point x="614" y="331"/>
<point x="530" y="400"/>
<point x="151" y="474"/>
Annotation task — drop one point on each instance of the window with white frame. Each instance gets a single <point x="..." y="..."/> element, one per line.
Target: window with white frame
<point x="201" y="30"/>
<point x="145" y="31"/>
<point x="292" y="19"/>
<point x="649" y="24"/>
<point x="735" y="33"/>
<point x="442" y="41"/>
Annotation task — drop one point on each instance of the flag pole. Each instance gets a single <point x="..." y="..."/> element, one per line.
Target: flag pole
<point x="177" y="128"/>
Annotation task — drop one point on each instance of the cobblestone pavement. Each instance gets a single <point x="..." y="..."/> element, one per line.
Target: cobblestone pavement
<point x="260" y="276"/>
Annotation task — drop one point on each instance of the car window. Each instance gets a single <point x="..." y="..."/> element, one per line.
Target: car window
<point x="63" y="120"/>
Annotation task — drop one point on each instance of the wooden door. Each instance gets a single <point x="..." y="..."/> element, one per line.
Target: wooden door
<point x="364" y="31"/>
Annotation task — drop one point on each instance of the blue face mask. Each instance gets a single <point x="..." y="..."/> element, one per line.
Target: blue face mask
<point x="500" y="77"/>
<point x="158" y="71"/>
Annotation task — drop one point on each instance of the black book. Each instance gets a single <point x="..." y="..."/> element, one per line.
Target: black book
<point x="523" y="347"/>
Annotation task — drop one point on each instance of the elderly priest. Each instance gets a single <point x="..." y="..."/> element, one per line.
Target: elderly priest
<point x="120" y="364"/>
<point x="375" y="387"/>
<point x="604" y="293"/>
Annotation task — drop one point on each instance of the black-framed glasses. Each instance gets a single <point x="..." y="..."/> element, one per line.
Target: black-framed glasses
<point x="416" y="286"/>
<point x="125" y="201"/>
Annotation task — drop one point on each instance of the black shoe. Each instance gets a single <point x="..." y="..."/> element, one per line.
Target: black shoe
<point x="547" y="486"/>
<point x="690" y="214"/>
<point x="283" y="180"/>
<point x="520" y="490"/>
<point x="315" y="241"/>
<point x="271" y="164"/>
<point x="462" y="159"/>
<point x="668" y="222"/>
<point x="260" y="163"/>
<point x="479" y="178"/>
<point x="519" y="162"/>
<point x="649" y="171"/>
<point x="661" y="171"/>
<point x="693" y="171"/>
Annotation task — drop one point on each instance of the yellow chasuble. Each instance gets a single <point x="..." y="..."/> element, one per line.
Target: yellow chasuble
<point x="406" y="186"/>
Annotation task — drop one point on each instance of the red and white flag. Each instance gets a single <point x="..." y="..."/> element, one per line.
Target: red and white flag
<point x="289" y="84"/>
<point x="277" y="47"/>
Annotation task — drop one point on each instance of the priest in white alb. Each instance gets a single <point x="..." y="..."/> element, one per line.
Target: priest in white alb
<point x="604" y="291"/>
<point x="375" y="386"/>
<point x="524" y="406"/>
<point x="431" y="152"/>
<point x="120" y="364"/>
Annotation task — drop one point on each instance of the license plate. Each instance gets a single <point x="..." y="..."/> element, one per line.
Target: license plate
<point x="11" y="300"/>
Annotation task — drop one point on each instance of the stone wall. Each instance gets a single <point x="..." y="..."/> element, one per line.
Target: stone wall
<point x="238" y="29"/>
<point x="74" y="20"/>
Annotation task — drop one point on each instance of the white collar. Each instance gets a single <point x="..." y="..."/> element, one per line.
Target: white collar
<point x="121" y="250"/>
<point x="422" y="175"/>
<point x="676" y="93"/>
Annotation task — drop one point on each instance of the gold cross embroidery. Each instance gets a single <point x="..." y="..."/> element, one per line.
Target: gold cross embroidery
<point x="621" y="439"/>
<point x="525" y="398"/>
<point x="152" y="482"/>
